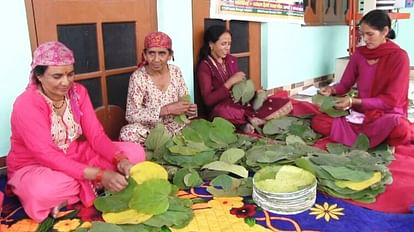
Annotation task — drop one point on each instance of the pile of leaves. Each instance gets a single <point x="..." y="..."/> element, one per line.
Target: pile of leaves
<point x="213" y="151"/>
<point x="327" y="105"/>
<point x="148" y="203"/>
<point x="245" y="93"/>
<point x="346" y="172"/>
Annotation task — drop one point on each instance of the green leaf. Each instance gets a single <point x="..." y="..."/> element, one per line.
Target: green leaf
<point x="105" y="227"/>
<point x="223" y="166"/>
<point x="232" y="155"/>
<point x="361" y="143"/>
<point x="46" y="224"/>
<point x="116" y="201"/>
<point x="344" y="173"/>
<point x="181" y="119"/>
<point x="179" y="178"/>
<point x="223" y="181"/>
<point x="337" y="148"/>
<point x="151" y="197"/>
<point x="192" y="179"/>
<point x="194" y="161"/>
<point x="223" y="124"/>
<point x="259" y="99"/>
<point x="292" y="139"/>
<point x="248" y="93"/>
<point x="250" y="221"/>
<point x="157" y="137"/>
<point x="179" y="214"/>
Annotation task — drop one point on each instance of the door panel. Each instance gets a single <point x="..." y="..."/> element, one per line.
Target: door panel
<point x="107" y="38"/>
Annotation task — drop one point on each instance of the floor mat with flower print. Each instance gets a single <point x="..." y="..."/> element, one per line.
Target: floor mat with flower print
<point x="233" y="214"/>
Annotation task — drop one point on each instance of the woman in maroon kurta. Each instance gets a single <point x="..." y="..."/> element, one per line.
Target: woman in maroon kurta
<point x="218" y="71"/>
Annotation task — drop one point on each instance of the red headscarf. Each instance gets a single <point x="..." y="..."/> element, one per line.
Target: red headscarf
<point x="155" y="40"/>
<point x="391" y="79"/>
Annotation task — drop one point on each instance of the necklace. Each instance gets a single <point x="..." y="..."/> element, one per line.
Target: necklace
<point x="61" y="105"/>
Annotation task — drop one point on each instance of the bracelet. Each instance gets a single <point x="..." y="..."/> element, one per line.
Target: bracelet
<point x="350" y="104"/>
<point x="118" y="157"/>
<point x="99" y="175"/>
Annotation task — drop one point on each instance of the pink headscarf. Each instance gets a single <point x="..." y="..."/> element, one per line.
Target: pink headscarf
<point x="155" y="40"/>
<point x="50" y="53"/>
<point x="56" y="53"/>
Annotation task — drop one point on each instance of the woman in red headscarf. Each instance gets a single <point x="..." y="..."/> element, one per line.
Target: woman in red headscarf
<point x="155" y="92"/>
<point x="59" y="150"/>
<point x="380" y="70"/>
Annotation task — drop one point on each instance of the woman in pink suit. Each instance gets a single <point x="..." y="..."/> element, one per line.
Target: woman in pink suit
<point x="59" y="150"/>
<point x="380" y="71"/>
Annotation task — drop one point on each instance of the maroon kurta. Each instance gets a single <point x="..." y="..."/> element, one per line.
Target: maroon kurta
<point x="212" y="76"/>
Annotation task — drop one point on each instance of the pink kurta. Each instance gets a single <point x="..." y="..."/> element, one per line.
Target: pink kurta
<point x="144" y="104"/>
<point x="43" y="174"/>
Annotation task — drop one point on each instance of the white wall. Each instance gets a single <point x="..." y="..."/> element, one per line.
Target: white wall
<point x="175" y="19"/>
<point x="15" y="58"/>
<point x="293" y="53"/>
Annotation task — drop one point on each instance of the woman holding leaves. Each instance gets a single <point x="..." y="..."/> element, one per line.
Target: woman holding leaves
<point x="218" y="72"/>
<point x="59" y="150"/>
<point x="380" y="70"/>
<point x="157" y="92"/>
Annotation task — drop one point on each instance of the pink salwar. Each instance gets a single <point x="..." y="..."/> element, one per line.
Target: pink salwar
<point x="50" y="188"/>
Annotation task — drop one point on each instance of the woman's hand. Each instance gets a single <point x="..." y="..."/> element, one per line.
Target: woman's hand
<point x="176" y="108"/>
<point x="236" y="78"/>
<point x="327" y="91"/>
<point x="192" y="111"/>
<point x="124" y="166"/>
<point x="343" y="103"/>
<point x="113" y="181"/>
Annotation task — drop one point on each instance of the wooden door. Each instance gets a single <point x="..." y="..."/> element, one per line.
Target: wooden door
<point x="107" y="38"/>
<point x="245" y="42"/>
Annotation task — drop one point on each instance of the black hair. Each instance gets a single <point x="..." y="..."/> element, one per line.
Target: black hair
<point x="38" y="71"/>
<point x="211" y="35"/>
<point x="379" y="19"/>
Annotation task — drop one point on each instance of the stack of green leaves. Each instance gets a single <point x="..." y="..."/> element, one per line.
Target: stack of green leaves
<point x="182" y="118"/>
<point x="327" y="105"/>
<point x="243" y="91"/>
<point x="351" y="173"/>
<point x="280" y="128"/>
<point x="347" y="172"/>
<point x="283" y="179"/>
<point x="149" y="200"/>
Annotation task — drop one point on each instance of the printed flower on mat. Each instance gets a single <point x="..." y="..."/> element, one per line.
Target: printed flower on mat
<point x="86" y="225"/>
<point x="327" y="211"/>
<point x="226" y="202"/>
<point x="27" y="225"/>
<point x="244" y="212"/>
<point x="67" y="225"/>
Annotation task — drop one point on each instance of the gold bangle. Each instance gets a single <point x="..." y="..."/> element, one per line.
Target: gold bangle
<point x="350" y="102"/>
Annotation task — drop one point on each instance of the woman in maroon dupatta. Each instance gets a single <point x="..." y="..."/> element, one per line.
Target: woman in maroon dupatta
<point x="380" y="70"/>
<point x="217" y="72"/>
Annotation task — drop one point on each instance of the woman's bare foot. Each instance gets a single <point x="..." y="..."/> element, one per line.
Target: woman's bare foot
<point x="247" y="128"/>
<point x="257" y="121"/>
<point x="56" y="209"/>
